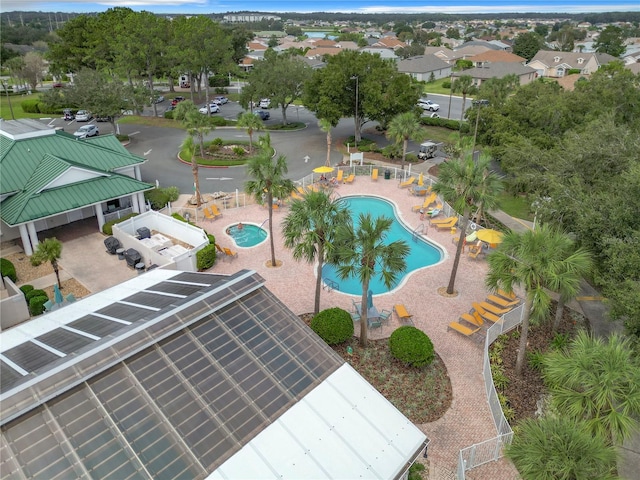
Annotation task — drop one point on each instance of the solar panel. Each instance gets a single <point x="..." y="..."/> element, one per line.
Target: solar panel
<point x="8" y="376"/>
<point x="152" y="299"/>
<point x="64" y="340"/>
<point x="98" y="326"/>
<point x="30" y="357"/>
<point x="176" y="288"/>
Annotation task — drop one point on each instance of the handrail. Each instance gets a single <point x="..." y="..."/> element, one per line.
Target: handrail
<point x="330" y="284"/>
<point x="420" y="229"/>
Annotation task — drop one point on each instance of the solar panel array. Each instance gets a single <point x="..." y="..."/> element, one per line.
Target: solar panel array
<point x="180" y="406"/>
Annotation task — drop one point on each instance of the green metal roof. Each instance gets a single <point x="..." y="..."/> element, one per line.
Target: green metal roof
<point x="20" y="158"/>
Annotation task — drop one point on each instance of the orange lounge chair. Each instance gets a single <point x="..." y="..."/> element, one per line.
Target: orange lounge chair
<point x="209" y="215"/>
<point x="463" y="329"/>
<point x="507" y="296"/>
<point x="475" y="250"/>
<point x="492" y="317"/>
<point x="374" y="175"/>
<point x="229" y="253"/>
<point x="427" y="201"/>
<point x="493" y="309"/>
<point x="402" y="312"/>
<point x="340" y="174"/>
<point x="220" y="250"/>
<point x="350" y="178"/>
<point x="410" y="181"/>
<point x="501" y="302"/>
<point x="436" y="221"/>
<point x="475" y="321"/>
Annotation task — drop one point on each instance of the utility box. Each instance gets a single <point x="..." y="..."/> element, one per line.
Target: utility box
<point x="428" y="150"/>
<point x="387" y="174"/>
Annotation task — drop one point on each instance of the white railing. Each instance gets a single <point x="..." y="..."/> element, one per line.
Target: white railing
<point x="491" y="449"/>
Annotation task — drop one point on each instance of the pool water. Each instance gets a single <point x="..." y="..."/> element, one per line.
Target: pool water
<point x="422" y="253"/>
<point x="248" y="235"/>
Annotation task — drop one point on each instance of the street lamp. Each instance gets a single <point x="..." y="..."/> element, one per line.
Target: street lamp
<point x="355" y="136"/>
<point x="478" y="103"/>
<point x="450" y="92"/>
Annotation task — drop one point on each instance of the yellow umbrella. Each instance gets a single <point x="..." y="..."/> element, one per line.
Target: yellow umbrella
<point x="323" y="169"/>
<point x="420" y="181"/>
<point x="490" y="236"/>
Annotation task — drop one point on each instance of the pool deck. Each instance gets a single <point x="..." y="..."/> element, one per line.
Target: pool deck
<point x="468" y="421"/>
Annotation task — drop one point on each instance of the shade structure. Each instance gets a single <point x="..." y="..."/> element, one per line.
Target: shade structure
<point x="421" y="180"/>
<point x="489" y="235"/>
<point x="323" y="169"/>
<point x="57" y="294"/>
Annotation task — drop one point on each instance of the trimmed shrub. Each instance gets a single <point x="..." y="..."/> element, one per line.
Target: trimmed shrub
<point x="217" y="142"/>
<point x="36" y="305"/>
<point x="169" y="114"/>
<point x="411" y="346"/>
<point x="212" y="239"/>
<point x="333" y="325"/>
<point x="26" y="289"/>
<point x="107" y="228"/>
<point x="159" y="197"/>
<point x="206" y="257"/>
<point x="35" y="293"/>
<point x="30" y="106"/>
<point x="8" y="269"/>
<point x="218" y="121"/>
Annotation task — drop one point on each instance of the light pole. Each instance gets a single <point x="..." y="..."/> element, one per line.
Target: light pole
<point x="450" y="92"/>
<point x="355" y="136"/>
<point x="478" y="104"/>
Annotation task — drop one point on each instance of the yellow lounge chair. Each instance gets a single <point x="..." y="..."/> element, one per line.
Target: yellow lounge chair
<point x="350" y="178"/>
<point x="215" y="211"/>
<point x="407" y="183"/>
<point x="220" y="250"/>
<point x="208" y="214"/>
<point x="492" y="317"/>
<point x="402" y="312"/>
<point x="427" y="201"/>
<point x="502" y="302"/>
<point x="508" y="296"/>
<point x="374" y="175"/>
<point x="494" y="309"/>
<point x="475" y="250"/>
<point x="446" y="226"/>
<point x="437" y="221"/>
<point x="463" y="329"/>
<point x="296" y="196"/>
<point x="340" y="174"/>
<point x="229" y="253"/>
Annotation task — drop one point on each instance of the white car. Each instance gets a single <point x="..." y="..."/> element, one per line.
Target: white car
<point x="86" y="131"/>
<point x="83" y="116"/>
<point x="264" y="103"/>
<point x="428" y="105"/>
<point x="213" y="108"/>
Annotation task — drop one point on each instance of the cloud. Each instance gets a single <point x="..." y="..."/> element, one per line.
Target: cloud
<point x="83" y="5"/>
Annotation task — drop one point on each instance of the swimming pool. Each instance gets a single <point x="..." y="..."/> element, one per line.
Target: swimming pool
<point x="422" y="253"/>
<point x="248" y="235"/>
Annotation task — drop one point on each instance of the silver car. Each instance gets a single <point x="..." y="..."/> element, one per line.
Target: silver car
<point x="86" y="131"/>
<point x="83" y="116"/>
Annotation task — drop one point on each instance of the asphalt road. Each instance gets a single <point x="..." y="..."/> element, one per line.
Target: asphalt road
<point x="304" y="149"/>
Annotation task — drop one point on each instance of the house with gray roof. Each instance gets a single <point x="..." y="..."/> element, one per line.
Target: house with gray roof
<point x="425" y="67"/>
<point x="499" y="70"/>
<point x="557" y="64"/>
<point x="51" y="178"/>
<point x="184" y="375"/>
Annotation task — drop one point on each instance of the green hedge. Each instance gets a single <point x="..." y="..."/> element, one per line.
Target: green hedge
<point x="7" y="269"/>
<point x="35" y="293"/>
<point x="212" y="239"/>
<point x="206" y="257"/>
<point x="169" y="114"/>
<point x="333" y="325"/>
<point x="449" y="123"/>
<point x="107" y="228"/>
<point x="36" y="305"/>
<point x="26" y="289"/>
<point x="411" y="346"/>
<point x="159" y="197"/>
<point x="30" y="106"/>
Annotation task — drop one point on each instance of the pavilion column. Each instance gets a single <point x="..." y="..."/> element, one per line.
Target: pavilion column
<point x="26" y="242"/>
<point x="33" y="235"/>
<point x="134" y="203"/>
<point x="99" y="215"/>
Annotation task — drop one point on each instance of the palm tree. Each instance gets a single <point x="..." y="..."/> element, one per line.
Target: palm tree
<point x="538" y="260"/>
<point x="597" y="381"/>
<point x="463" y="183"/>
<point x="268" y="181"/>
<point x="252" y="123"/>
<point x="487" y="194"/>
<point x="49" y="250"/>
<point x="404" y="127"/>
<point x="464" y="84"/>
<point x="326" y="126"/>
<point x="551" y="448"/>
<point x="197" y="124"/>
<point x="360" y="249"/>
<point x="309" y="229"/>
<point x="189" y="148"/>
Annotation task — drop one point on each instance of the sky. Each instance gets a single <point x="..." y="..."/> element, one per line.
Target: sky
<point x="356" y="6"/>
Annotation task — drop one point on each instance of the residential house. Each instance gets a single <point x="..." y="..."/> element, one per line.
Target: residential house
<point x="51" y="178"/>
<point x="388" y="42"/>
<point x="386" y="53"/>
<point x="190" y="375"/>
<point x="443" y="53"/>
<point x="494" y="56"/>
<point x="499" y="70"/>
<point x="557" y="64"/>
<point x="425" y="68"/>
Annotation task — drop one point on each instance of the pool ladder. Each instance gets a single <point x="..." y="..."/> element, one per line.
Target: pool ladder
<point x="329" y="284"/>
<point x="264" y="222"/>
<point x="419" y="230"/>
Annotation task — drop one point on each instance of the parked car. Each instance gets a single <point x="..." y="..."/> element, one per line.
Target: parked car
<point x="58" y="85"/>
<point x="158" y="99"/>
<point x="103" y="118"/>
<point x="220" y="100"/>
<point x="83" y="116"/>
<point x="264" y="103"/>
<point x="213" y="108"/>
<point x="428" y="105"/>
<point x="264" y="115"/>
<point x="68" y="114"/>
<point x="86" y="131"/>
<point x="177" y="100"/>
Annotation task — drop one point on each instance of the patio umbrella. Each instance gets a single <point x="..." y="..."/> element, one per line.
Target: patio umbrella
<point x="369" y="299"/>
<point x="420" y="180"/>
<point x="57" y="294"/>
<point x="323" y="169"/>
<point x="489" y="235"/>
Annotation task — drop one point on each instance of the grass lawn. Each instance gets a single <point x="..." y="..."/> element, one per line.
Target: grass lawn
<point x="436" y="87"/>
<point x="150" y="121"/>
<point x="517" y="207"/>
<point x="16" y="100"/>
